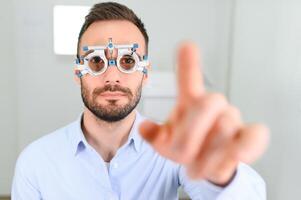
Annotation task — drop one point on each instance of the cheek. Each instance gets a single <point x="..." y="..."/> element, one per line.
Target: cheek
<point x="87" y="88"/>
<point x="92" y="82"/>
<point x="134" y="81"/>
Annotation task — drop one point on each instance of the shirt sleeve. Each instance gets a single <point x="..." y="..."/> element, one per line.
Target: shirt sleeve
<point x="24" y="185"/>
<point x="246" y="184"/>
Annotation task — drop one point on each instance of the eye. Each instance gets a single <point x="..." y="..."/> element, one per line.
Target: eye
<point x="127" y="62"/>
<point x="96" y="63"/>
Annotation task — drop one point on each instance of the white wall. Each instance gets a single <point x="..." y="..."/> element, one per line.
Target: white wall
<point x="266" y="85"/>
<point x="8" y="92"/>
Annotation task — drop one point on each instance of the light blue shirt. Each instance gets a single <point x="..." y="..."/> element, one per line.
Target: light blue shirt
<point x="63" y="166"/>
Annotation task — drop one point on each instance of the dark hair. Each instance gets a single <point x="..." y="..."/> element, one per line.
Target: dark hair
<point x="111" y="11"/>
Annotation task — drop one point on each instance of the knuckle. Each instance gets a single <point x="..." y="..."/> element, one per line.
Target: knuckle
<point x="233" y="116"/>
<point x="226" y="131"/>
<point x="228" y="123"/>
<point x="234" y="111"/>
<point x="213" y="101"/>
<point x="217" y="98"/>
<point x="222" y="126"/>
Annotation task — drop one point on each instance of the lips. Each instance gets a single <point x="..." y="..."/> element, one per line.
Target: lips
<point x="112" y="94"/>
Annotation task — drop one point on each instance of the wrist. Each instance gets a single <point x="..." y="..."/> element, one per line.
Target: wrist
<point x="223" y="181"/>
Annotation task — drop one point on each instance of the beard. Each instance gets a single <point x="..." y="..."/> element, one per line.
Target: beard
<point x="111" y="112"/>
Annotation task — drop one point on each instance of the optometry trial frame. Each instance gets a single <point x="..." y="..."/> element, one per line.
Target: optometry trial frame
<point x="95" y="62"/>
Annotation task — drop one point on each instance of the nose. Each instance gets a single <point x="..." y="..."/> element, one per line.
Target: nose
<point x="112" y="74"/>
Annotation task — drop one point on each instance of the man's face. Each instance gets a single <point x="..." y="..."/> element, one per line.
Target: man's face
<point x="112" y="95"/>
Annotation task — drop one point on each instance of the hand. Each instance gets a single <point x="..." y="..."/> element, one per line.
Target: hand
<point x="204" y="132"/>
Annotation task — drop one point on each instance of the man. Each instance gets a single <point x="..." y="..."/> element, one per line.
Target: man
<point x="112" y="152"/>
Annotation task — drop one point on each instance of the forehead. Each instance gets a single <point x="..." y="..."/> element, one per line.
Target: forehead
<point x="121" y="32"/>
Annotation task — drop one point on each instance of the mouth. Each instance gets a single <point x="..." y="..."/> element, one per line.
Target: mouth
<point x="112" y="95"/>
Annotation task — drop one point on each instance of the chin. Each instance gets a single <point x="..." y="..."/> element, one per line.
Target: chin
<point x="118" y="102"/>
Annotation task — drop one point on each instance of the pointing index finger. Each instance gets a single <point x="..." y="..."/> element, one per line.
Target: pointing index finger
<point x="190" y="80"/>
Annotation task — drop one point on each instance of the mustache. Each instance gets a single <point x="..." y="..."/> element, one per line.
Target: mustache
<point x="112" y="88"/>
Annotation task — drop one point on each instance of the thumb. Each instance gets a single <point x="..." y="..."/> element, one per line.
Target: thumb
<point x="149" y="130"/>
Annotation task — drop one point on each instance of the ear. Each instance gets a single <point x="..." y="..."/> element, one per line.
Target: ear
<point x="145" y="78"/>
<point x="76" y="78"/>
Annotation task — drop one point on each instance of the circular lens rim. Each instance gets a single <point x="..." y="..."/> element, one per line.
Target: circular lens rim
<point x="90" y="56"/>
<point x="134" y="68"/>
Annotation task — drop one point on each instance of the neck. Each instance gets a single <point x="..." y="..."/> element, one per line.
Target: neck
<point x="106" y="137"/>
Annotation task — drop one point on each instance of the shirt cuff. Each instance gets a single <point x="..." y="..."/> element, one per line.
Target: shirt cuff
<point x="246" y="184"/>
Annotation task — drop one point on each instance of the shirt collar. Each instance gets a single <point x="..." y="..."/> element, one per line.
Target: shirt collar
<point x="134" y="135"/>
<point x="76" y="136"/>
<point x="79" y="142"/>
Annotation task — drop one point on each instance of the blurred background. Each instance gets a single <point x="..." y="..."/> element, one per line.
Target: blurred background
<point x="251" y="53"/>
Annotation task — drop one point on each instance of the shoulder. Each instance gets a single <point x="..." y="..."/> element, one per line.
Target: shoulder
<point x="49" y="145"/>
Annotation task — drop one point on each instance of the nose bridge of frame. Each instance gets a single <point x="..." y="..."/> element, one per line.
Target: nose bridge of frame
<point x="111" y="55"/>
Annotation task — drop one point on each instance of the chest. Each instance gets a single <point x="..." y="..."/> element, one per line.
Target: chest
<point x="129" y="176"/>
